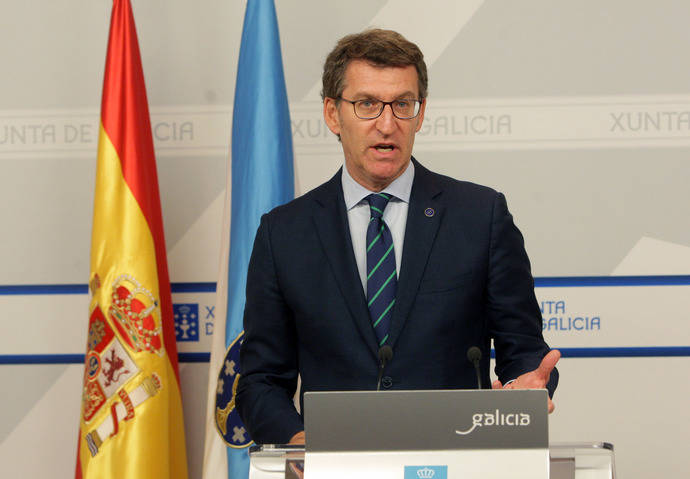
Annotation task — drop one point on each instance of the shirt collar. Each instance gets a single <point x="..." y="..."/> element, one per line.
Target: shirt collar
<point x="400" y="188"/>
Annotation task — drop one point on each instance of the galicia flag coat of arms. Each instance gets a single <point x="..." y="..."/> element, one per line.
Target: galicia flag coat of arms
<point x="131" y="417"/>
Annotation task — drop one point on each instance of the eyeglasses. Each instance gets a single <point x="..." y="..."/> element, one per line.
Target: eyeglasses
<point x="403" y="109"/>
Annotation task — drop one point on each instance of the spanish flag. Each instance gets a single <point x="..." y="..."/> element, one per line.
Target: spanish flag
<point x="131" y="422"/>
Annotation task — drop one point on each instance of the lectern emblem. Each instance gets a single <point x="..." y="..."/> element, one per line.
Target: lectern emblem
<point x="426" y="472"/>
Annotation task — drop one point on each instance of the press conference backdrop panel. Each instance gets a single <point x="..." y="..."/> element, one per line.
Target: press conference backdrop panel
<point x="578" y="111"/>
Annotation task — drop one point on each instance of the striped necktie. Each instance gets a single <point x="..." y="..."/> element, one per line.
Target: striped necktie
<point x="382" y="281"/>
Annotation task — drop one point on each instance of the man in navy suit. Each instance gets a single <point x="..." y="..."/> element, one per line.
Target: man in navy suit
<point x="461" y="276"/>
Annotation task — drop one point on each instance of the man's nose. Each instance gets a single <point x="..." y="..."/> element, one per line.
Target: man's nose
<point x="385" y="123"/>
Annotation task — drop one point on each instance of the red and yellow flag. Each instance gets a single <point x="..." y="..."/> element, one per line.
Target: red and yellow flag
<point x="131" y="422"/>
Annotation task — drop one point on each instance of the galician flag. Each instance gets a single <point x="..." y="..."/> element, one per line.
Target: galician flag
<point x="131" y="422"/>
<point x="261" y="179"/>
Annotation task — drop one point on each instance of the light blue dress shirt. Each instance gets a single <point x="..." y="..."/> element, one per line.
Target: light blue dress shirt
<point x="395" y="216"/>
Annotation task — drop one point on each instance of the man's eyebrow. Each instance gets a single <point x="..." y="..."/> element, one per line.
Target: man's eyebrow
<point x="368" y="96"/>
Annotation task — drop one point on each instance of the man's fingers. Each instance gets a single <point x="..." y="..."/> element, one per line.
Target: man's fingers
<point x="552" y="406"/>
<point x="496" y="385"/>
<point x="548" y="363"/>
<point x="298" y="438"/>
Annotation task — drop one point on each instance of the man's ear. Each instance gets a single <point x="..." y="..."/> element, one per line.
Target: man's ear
<point x="330" y="115"/>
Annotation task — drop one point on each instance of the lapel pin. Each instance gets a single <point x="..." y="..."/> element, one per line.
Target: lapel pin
<point x="429" y="212"/>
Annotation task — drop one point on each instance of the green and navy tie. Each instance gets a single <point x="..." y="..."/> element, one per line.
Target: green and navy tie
<point x="382" y="281"/>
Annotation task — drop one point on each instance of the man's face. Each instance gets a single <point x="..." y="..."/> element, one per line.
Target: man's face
<point x="376" y="151"/>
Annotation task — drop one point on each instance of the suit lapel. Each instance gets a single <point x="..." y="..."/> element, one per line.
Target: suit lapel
<point x="330" y="221"/>
<point x="420" y="232"/>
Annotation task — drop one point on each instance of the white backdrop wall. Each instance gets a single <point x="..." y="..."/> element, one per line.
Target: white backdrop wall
<point x="578" y="111"/>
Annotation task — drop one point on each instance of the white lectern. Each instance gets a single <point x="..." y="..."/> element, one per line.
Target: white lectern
<point x="583" y="460"/>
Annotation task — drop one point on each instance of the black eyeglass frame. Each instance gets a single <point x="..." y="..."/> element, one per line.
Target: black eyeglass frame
<point x="383" y="106"/>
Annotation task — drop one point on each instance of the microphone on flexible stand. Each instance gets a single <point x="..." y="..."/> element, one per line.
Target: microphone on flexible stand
<point x="385" y="355"/>
<point x="474" y="355"/>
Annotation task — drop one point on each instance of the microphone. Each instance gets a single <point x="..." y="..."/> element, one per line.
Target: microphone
<point x="385" y="355"/>
<point x="474" y="355"/>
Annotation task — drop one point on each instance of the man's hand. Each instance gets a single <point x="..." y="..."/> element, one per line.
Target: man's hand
<point x="297" y="439"/>
<point x="536" y="379"/>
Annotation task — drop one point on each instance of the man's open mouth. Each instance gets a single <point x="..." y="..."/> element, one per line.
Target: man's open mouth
<point x="384" y="147"/>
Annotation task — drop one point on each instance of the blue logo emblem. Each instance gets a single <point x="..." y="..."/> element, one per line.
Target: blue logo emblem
<point x="93" y="365"/>
<point x="186" y="321"/>
<point x="228" y="421"/>
<point x="426" y="472"/>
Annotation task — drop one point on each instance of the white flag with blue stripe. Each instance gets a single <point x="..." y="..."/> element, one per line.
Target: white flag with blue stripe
<point x="261" y="179"/>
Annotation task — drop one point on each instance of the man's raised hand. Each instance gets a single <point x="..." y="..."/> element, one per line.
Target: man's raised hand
<point x="536" y="379"/>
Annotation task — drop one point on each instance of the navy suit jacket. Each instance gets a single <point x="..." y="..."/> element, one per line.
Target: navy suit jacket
<point x="464" y="280"/>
